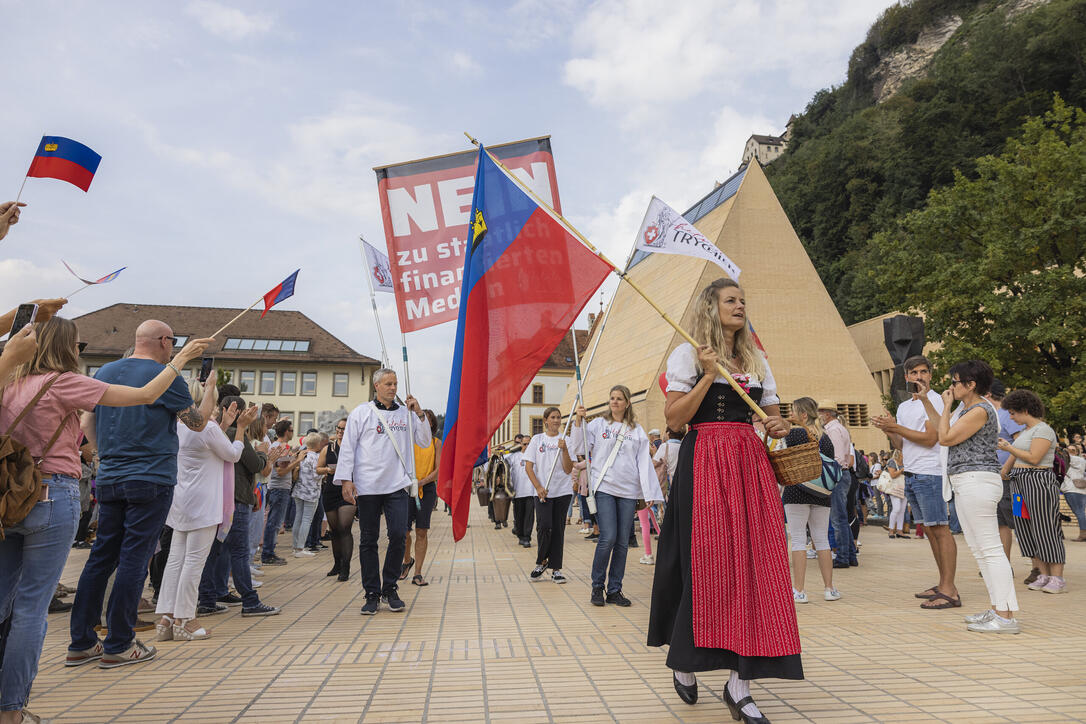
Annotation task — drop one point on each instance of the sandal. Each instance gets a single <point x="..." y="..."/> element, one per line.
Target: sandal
<point x="406" y="568"/>
<point x="948" y="602"/>
<point x="419" y="581"/>
<point x="928" y="594"/>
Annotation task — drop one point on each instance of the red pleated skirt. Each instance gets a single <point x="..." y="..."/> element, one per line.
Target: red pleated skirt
<point x="740" y="584"/>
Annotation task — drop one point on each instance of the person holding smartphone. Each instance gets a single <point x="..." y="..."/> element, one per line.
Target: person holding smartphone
<point x="918" y="437"/>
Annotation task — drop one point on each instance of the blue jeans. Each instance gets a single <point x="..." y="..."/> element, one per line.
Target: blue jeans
<point x="213" y="581"/>
<point x="288" y="517"/>
<point x="955" y="526"/>
<point x="370" y="508"/>
<point x="277" y="502"/>
<point x="615" y="517"/>
<point x="230" y="557"/>
<point x="1077" y="502"/>
<point x="303" y="515"/>
<point x="131" y="514"/>
<point x="925" y="496"/>
<point x="842" y="533"/>
<point x="32" y="557"/>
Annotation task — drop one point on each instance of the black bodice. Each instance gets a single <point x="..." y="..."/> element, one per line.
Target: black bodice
<point x="723" y="404"/>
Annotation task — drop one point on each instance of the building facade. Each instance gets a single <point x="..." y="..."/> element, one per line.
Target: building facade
<point x="765" y="148"/>
<point x="285" y="358"/>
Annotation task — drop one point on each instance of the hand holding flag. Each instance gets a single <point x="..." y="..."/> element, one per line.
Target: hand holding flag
<point x="9" y="216"/>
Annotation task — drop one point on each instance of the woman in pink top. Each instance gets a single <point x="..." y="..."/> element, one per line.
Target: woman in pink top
<point x="40" y="408"/>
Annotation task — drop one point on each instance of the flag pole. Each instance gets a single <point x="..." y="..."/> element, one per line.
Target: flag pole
<point x="624" y="277"/>
<point x="223" y="328"/>
<point x="20" y="194"/>
<point x="77" y="291"/>
<point x="373" y="302"/>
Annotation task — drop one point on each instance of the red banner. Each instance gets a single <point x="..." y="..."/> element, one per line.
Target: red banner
<point x="425" y="206"/>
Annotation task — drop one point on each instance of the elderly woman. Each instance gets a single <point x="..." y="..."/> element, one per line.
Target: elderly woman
<point x="202" y="500"/>
<point x="721" y="594"/>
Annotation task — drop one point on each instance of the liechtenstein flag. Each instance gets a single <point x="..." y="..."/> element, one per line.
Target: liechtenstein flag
<point x="283" y="290"/>
<point x="526" y="278"/>
<point x="62" y="158"/>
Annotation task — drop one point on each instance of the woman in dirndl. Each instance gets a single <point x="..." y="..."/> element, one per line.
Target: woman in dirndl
<point x="721" y="597"/>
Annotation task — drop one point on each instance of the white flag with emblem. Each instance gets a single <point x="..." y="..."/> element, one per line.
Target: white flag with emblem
<point x="664" y="231"/>
<point x="379" y="268"/>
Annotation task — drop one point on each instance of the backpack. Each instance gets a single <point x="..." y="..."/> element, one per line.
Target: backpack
<point x="863" y="471"/>
<point x="20" y="475"/>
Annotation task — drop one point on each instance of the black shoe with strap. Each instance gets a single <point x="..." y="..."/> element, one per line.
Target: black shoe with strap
<point x="736" y="709"/>
<point x="618" y="599"/>
<point x="689" y="694"/>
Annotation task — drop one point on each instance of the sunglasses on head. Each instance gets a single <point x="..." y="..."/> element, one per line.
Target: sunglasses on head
<point x="82" y="346"/>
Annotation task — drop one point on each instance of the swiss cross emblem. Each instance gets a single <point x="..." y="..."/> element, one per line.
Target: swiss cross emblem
<point x="651" y="234"/>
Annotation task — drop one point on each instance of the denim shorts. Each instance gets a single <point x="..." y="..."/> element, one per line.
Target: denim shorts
<point x="925" y="495"/>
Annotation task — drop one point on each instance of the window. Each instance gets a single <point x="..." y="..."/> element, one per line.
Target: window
<point x="231" y="343"/>
<point x="267" y="383"/>
<point x="537" y="394"/>
<point x="288" y="382"/>
<point x="309" y="383"/>
<point x="853" y="415"/>
<point x="306" y="421"/>
<point x="260" y="345"/>
<point x="537" y="425"/>
<point x="247" y="382"/>
<point x="92" y="370"/>
<point x="289" y="417"/>
<point x="186" y="374"/>
<point x="339" y="384"/>
<point x="180" y="340"/>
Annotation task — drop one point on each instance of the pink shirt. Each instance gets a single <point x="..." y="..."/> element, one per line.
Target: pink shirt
<point x="71" y="392"/>
<point x="842" y="442"/>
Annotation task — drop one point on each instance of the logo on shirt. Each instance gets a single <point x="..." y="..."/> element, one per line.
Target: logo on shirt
<point x="394" y="425"/>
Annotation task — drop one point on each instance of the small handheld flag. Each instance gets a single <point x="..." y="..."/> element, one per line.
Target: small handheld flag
<point x="62" y="158"/>
<point x="88" y="282"/>
<point x="665" y="231"/>
<point x="284" y="290"/>
<point x="378" y="268"/>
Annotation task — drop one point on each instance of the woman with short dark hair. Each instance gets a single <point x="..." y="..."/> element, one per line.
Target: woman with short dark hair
<point x="1040" y="535"/>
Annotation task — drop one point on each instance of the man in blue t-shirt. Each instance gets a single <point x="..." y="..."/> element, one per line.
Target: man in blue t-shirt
<point x="1008" y="430"/>
<point x="137" y="452"/>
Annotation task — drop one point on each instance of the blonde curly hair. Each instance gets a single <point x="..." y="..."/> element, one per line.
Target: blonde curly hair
<point x="709" y="330"/>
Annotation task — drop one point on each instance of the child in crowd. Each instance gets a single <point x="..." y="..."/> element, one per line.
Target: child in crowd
<point x="305" y="493"/>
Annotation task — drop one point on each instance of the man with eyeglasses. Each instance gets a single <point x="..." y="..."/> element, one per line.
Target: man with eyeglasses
<point x="137" y="472"/>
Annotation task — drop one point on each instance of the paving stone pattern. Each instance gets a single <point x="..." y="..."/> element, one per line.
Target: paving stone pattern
<point x="483" y="644"/>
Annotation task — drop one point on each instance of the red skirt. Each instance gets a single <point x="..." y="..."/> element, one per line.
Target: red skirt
<point x="741" y="588"/>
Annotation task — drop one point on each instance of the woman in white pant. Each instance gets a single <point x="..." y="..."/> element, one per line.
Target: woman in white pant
<point x="970" y="435"/>
<point x="896" y="494"/>
<point x="196" y="513"/>
<point x="804" y="508"/>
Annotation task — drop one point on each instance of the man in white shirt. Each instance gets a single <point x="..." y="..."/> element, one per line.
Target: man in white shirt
<point x="918" y="439"/>
<point x="375" y="469"/>
<point x="523" y="493"/>
<point x="844" y="544"/>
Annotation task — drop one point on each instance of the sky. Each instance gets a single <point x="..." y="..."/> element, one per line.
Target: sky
<point x="238" y="138"/>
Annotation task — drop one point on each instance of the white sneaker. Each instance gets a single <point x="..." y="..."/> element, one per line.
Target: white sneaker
<point x="799" y="596"/>
<point x="257" y="584"/>
<point x="811" y="553"/>
<point x="832" y="594"/>
<point x="995" y="624"/>
<point x="648" y="560"/>
<point x="303" y="554"/>
<point x="979" y="617"/>
<point x="254" y="571"/>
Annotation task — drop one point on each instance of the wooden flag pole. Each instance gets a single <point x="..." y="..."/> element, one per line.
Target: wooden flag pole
<point x="223" y="328"/>
<point x="624" y="277"/>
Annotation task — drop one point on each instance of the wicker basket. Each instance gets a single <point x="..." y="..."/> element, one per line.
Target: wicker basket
<point x="797" y="464"/>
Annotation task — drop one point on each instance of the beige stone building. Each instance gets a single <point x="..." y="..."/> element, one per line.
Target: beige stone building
<point x="765" y="148"/>
<point x="286" y="358"/>
<point x="809" y="347"/>
<point x="548" y="388"/>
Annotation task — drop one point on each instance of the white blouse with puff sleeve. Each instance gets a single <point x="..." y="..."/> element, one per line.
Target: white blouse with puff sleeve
<point x="682" y="375"/>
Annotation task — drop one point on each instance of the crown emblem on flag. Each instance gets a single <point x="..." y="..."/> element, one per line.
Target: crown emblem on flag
<point x="50" y="147"/>
<point x="478" y="228"/>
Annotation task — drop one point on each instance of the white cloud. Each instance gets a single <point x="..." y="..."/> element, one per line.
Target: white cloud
<point x="228" y="22"/>
<point x="464" y="62"/>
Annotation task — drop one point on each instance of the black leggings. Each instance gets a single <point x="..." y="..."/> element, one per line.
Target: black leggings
<point x="340" y="528"/>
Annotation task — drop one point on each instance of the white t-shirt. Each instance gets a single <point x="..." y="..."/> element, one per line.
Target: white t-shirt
<point x="522" y="484"/>
<point x="631" y="475"/>
<point x="669" y="451"/>
<point x="682" y="375"/>
<point x="542" y="453"/>
<point x="919" y="460"/>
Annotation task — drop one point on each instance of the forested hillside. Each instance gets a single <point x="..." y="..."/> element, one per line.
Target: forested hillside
<point x="855" y="164"/>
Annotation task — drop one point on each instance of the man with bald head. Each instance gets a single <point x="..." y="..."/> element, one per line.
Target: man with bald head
<point x="137" y="452"/>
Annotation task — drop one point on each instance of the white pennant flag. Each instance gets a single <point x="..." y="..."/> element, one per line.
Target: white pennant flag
<point x="665" y="231"/>
<point x="379" y="269"/>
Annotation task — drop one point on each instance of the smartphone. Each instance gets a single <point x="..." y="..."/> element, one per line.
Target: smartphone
<point x="24" y="315"/>
<point x="913" y="387"/>
<point x="206" y="364"/>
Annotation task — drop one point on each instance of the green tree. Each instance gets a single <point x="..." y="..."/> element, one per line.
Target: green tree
<point x="996" y="263"/>
<point x="223" y="377"/>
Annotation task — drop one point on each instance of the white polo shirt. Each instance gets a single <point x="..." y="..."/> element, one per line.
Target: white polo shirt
<point x="367" y="456"/>
<point x="918" y="459"/>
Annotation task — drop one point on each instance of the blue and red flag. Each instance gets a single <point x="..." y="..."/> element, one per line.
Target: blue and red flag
<point x="62" y="158"/>
<point x="283" y="291"/>
<point x="526" y="278"/>
<point x="104" y="280"/>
